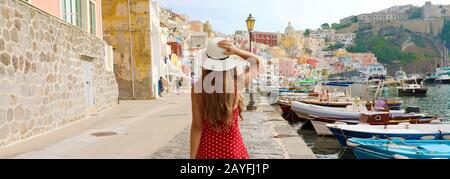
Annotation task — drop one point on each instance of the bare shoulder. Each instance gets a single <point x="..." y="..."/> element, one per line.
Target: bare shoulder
<point x="195" y="95"/>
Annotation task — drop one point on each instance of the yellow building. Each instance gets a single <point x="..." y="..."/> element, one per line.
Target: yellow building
<point x="341" y="53"/>
<point x="128" y="30"/>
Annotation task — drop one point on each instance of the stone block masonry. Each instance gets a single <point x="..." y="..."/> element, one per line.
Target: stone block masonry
<point x="51" y="73"/>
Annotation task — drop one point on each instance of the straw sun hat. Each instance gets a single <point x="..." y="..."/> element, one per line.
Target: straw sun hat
<point x="214" y="58"/>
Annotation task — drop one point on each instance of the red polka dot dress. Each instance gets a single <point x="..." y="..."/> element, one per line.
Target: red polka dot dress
<point x="222" y="144"/>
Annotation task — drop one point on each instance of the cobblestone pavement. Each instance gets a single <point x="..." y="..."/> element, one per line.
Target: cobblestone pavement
<point x="265" y="133"/>
<point x="257" y="133"/>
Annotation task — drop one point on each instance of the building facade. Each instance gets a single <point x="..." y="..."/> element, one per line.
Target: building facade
<point x="198" y="40"/>
<point x="326" y="34"/>
<point x="268" y="38"/>
<point x="288" y="68"/>
<point x="241" y="39"/>
<point x="85" y="14"/>
<point x="53" y="73"/>
<point x="430" y="10"/>
<point x="382" y="17"/>
<point x="365" y="59"/>
<point x="345" y="38"/>
<point x="128" y="26"/>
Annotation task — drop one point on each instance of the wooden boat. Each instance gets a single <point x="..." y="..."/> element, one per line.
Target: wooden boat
<point x="412" y="90"/>
<point x="287" y="113"/>
<point x="285" y="106"/>
<point x="305" y="111"/>
<point x="352" y="112"/>
<point x="404" y="131"/>
<point x="338" y="104"/>
<point x="400" y="149"/>
<point x="371" y="118"/>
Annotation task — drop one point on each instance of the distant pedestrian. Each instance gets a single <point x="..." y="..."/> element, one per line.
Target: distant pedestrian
<point x="215" y="132"/>
<point x="160" y="87"/>
<point x="179" y="84"/>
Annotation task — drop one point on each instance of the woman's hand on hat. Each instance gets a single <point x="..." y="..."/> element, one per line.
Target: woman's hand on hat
<point x="230" y="49"/>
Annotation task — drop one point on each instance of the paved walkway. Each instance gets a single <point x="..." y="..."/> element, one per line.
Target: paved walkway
<point x="158" y="130"/>
<point x="133" y="129"/>
<point x="265" y="133"/>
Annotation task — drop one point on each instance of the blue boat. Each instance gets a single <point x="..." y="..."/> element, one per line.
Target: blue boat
<point x="339" y="84"/>
<point x="400" y="149"/>
<point x="402" y="131"/>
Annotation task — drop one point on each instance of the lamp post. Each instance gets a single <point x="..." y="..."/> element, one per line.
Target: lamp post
<point x="250" y="26"/>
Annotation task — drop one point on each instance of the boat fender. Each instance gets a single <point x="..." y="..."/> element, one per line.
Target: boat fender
<point x="352" y="145"/>
<point x="400" y="157"/>
<point x="428" y="138"/>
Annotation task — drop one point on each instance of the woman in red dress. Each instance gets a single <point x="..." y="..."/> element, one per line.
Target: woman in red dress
<point x="217" y="103"/>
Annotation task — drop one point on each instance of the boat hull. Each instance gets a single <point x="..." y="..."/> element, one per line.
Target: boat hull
<point x="446" y="81"/>
<point x="342" y="135"/>
<point x="285" y="107"/>
<point x="381" y="149"/>
<point x="412" y="92"/>
<point x="328" y="104"/>
<point x="307" y="110"/>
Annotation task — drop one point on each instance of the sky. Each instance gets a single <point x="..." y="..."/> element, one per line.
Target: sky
<point x="227" y="16"/>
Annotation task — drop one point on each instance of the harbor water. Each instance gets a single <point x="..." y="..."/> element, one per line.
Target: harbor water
<point x="437" y="102"/>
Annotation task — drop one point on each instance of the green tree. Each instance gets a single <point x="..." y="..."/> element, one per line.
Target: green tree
<point x="416" y="13"/>
<point x="334" y="47"/>
<point x="445" y="34"/>
<point x="325" y="26"/>
<point x="307" y="32"/>
<point x="385" y="49"/>
<point x="355" y="19"/>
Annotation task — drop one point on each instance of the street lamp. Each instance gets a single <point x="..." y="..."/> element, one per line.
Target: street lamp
<point x="250" y="26"/>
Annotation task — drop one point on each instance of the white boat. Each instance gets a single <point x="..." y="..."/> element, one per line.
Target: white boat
<point x="349" y="115"/>
<point x="444" y="79"/>
<point x="305" y="111"/>
<point x="412" y="90"/>
<point x="400" y="76"/>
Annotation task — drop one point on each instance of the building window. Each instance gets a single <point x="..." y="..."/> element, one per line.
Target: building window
<point x="80" y="13"/>
<point x="72" y="12"/>
<point x="92" y="17"/>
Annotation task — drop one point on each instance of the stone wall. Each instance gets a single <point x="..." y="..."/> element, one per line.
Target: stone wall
<point x="116" y="19"/>
<point x="41" y="74"/>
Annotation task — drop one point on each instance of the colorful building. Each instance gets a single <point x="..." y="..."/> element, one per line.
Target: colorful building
<point x="365" y="59"/>
<point x="288" y="68"/>
<point x="131" y="28"/>
<point x="268" y="38"/>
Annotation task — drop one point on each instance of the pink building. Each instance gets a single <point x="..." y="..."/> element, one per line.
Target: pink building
<point x="312" y="62"/>
<point x="365" y="59"/>
<point x="288" y="68"/>
<point x="85" y="14"/>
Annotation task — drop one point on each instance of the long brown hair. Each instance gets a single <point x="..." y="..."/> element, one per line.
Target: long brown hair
<point x="218" y="108"/>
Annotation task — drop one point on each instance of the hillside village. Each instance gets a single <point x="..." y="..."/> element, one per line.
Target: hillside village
<point x="416" y="34"/>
